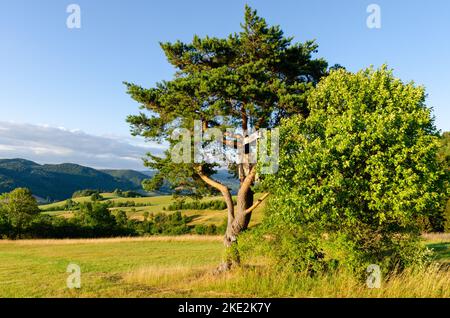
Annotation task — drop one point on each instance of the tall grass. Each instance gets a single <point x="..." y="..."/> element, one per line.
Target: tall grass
<point x="436" y="237"/>
<point x="162" y="238"/>
<point x="261" y="281"/>
<point x="183" y="267"/>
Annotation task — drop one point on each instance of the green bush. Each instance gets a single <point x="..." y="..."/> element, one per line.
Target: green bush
<point x="127" y="194"/>
<point x="85" y="193"/>
<point x="209" y="229"/>
<point x="19" y="217"/>
<point x="444" y="157"/>
<point x="6" y="229"/>
<point x="360" y="170"/>
<point x="69" y="205"/>
<point x="96" y="197"/>
<point x="197" y="205"/>
<point x="447" y="217"/>
<point x="17" y="210"/>
<point x="164" y="224"/>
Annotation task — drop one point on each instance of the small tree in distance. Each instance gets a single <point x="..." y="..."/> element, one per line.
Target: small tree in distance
<point x="18" y="207"/>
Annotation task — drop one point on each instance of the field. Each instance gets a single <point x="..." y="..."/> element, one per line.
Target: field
<point x="182" y="266"/>
<point x="156" y="204"/>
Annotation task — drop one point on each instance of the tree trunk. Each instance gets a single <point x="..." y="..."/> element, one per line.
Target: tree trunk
<point x="234" y="228"/>
<point x="240" y="221"/>
<point x="238" y="218"/>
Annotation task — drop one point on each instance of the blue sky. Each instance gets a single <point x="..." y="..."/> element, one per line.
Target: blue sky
<point x="52" y="76"/>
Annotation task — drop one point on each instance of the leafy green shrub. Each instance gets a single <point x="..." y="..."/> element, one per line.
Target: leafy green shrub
<point x="447" y="217"/>
<point x="17" y="210"/>
<point x="362" y="168"/>
<point x="131" y="194"/>
<point x="210" y="229"/>
<point x="6" y="229"/>
<point x="127" y="194"/>
<point x="288" y="246"/>
<point x="121" y="218"/>
<point x="197" y="205"/>
<point x="45" y="226"/>
<point x="164" y="224"/>
<point x="96" y="197"/>
<point x="85" y="193"/>
<point x="444" y="157"/>
<point x="90" y="220"/>
<point x="95" y="215"/>
<point x="69" y="205"/>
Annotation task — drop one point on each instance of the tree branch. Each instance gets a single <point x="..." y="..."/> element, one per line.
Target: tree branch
<point x="222" y="188"/>
<point x="257" y="203"/>
<point x="248" y="181"/>
<point x="213" y="183"/>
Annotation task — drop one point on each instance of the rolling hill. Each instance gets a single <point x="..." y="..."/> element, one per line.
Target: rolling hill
<point x="58" y="182"/>
<point x="53" y="182"/>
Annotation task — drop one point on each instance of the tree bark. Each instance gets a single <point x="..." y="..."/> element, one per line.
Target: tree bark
<point x="239" y="217"/>
<point x="244" y="208"/>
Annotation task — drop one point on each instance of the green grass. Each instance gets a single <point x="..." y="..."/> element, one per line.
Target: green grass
<point x="157" y="205"/>
<point x="38" y="268"/>
<point x="182" y="267"/>
<point x="442" y="251"/>
<point x="157" y="200"/>
<point x="439" y="243"/>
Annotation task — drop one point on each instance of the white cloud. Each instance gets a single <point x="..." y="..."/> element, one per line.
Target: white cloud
<point x="6" y="148"/>
<point x="45" y="144"/>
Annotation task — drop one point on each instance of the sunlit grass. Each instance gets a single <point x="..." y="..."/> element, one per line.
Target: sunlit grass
<point x="182" y="266"/>
<point x="157" y="205"/>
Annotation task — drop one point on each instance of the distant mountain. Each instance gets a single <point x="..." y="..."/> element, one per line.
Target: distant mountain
<point x="58" y="182"/>
<point x="224" y="177"/>
<point x="132" y="176"/>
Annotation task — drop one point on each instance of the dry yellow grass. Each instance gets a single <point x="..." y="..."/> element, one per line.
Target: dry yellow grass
<point x="260" y="281"/>
<point x="437" y="237"/>
<point x="180" y="238"/>
<point x="165" y="276"/>
<point x="182" y="266"/>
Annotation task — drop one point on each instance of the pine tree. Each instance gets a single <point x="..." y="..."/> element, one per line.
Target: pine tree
<point x="249" y="81"/>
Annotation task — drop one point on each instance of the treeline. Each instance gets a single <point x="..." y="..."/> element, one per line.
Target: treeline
<point x="20" y="218"/>
<point x="117" y="192"/>
<point x="197" y="205"/>
<point x="71" y="205"/>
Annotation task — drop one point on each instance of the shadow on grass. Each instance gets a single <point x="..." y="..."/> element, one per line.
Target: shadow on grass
<point x="441" y="250"/>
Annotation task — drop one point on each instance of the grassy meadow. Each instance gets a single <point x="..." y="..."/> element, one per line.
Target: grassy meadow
<point x="182" y="266"/>
<point x="156" y="204"/>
